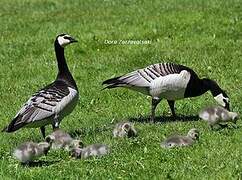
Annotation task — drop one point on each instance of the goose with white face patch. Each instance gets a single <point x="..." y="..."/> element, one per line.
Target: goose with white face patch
<point x="168" y="81"/>
<point x="52" y="103"/>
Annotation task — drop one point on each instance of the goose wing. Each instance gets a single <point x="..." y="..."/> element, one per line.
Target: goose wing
<point x="41" y="105"/>
<point x="142" y="78"/>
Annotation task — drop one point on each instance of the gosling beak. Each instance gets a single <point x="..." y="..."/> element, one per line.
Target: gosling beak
<point x="196" y="136"/>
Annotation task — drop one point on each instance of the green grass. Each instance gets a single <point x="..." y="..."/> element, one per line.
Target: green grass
<point x="204" y="35"/>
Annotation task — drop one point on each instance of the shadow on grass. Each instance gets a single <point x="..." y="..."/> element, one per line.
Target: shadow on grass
<point x="229" y="126"/>
<point x="164" y="119"/>
<point x="90" y="130"/>
<point x="142" y="119"/>
<point x="39" y="163"/>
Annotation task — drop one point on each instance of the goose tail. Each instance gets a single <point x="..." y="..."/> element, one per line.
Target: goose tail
<point x="12" y="127"/>
<point x="113" y="83"/>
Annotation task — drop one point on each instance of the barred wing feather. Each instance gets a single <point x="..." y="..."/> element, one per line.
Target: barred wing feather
<point x="142" y="78"/>
<point x="40" y="106"/>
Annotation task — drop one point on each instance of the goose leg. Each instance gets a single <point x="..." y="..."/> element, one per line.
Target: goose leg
<point x="154" y="104"/>
<point x="56" y="123"/>
<point x="172" y="107"/>
<point x="42" y="130"/>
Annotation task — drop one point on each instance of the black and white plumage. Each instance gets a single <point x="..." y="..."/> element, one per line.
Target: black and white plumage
<point x="180" y="141"/>
<point x="168" y="81"/>
<point x="52" y="103"/>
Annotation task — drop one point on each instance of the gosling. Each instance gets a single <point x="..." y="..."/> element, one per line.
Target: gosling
<point x="62" y="140"/>
<point x="180" y="141"/>
<point x="124" y="129"/>
<point x="29" y="151"/>
<point x="96" y="150"/>
<point x="215" y="115"/>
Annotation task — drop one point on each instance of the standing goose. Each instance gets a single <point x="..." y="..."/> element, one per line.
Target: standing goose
<point x="52" y="103"/>
<point x="169" y="81"/>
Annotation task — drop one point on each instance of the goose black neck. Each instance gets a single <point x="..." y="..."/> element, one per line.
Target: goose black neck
<point x="64" y="73"/>
<point x="60" y="56"/>
<point x="196" y="87"/>
<point x="212" y="86"/>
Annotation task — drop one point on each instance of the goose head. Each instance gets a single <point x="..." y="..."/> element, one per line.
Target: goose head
<point x="45" y="146"/>
<point x="193" y="133"/>
<point x="129" y="129"/>
<point x="218" y="94"/>
<point x="76" y="152"/>
<point x="223" y="100"/>
<point x="64" y="39"/>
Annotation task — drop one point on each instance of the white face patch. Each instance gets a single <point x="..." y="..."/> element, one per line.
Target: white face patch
<point x="220" y="99"/>
<point x="62" y="41"/>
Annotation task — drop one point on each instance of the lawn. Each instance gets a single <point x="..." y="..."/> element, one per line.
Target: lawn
<point x="204" y="35"/>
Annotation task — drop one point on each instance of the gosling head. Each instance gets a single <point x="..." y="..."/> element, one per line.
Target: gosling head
<point x="234" y="116"/>
<point x="45" y="146"/>
<point x="64" y="39"/>
<point x="193" y="133"/>
<point x="50" y="139"/>
<point x="129" y="129"/>
<point x="76" y="152"/>
<point x="76" y="144"/>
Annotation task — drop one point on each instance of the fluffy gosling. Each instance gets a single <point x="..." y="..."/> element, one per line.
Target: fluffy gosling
<point x="216" y="114"/>
<point x="62" y="140"/>
<point x="29" y="151"/>
<point x="179" y="141"/>
<point x="89" y="151"/>
<point x="124" y="129"/>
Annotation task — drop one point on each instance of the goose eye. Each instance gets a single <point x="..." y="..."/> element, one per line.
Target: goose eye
<point x="225" y="100"/>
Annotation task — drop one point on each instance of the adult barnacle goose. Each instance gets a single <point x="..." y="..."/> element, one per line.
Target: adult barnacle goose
<point x="52" y="103"/>
<point x="168" y="81"/>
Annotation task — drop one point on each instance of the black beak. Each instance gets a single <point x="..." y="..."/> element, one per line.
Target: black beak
<point x="227" y="106"/>
<point x="72" y="40"/>
<point x="197" y="136"/>
<point x="46" y="152"/>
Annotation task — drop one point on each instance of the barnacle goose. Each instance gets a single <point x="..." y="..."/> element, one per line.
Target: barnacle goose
<point x="61" y="139"/>
<point x="95" y="150"/>
<point x="215" y="115"/>
<point x="124" y="129"/>
<point x="179" y="141"/>
<point x="52" y="103"/>
<point x="169" y="81"/>
<point x="28" y="151"/>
